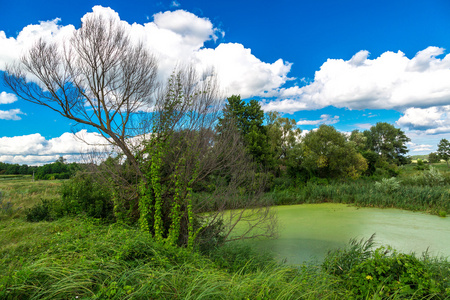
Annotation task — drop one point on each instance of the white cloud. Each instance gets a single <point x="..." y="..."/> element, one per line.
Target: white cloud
<point x="390" y="81"/>
<point x="174" y="37"/>
<point x="324" y="119"/>
<point x="432" y="120"/>
<point x="363" y="126"/>
<point x="7" y="98"/>
<point x="419" y="147"/>
<point x="11" y="114"/>
<point x="12" y="49"/>
<point x="240" y="72"/>
<point x="36" y="149"/>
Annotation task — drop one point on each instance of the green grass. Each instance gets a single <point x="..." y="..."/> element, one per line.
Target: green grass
<point x="413" y="191"/>
<point x="84" y="258"/>
<point x="81" y="258"/>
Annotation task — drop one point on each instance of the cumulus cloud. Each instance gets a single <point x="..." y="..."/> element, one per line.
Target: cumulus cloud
<point x="419" y="147"/>
<point x="7" y="98"/>
<point x="12" y="114"/>
<point x="324" y="119"/>
<point x="34" y="149"/>
<point x="432" y="120"/>
<point x="240" y="72"/>
<point x="174" y="37"/>
<point x="390" y="81"/>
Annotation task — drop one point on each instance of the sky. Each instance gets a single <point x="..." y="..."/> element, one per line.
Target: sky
<point x="345" y="63"/>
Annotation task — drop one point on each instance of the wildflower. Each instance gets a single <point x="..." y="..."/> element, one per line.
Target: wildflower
<point x="368" y="277"/>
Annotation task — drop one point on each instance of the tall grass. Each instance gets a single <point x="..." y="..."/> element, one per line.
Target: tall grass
<point x="72" y="258"/>
<point x="432" y="199"/>
<point x="84" y="258"/>
<point x="24" y="193"/>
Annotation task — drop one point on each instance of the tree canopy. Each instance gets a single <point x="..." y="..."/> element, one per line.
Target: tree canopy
<point x="388" y="142"/>
<point x="326" y="152"/>
<point x="443" y="150"/>
<point x="249" y="121"/>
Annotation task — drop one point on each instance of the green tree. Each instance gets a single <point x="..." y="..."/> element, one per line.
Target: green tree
<point x="327" y="153"/>
<point x="389" y="142"/>
<point x="433" y="157"/>
<point x="444" y="150"/>
<point x="283" y="135"/>
<point x="359" y="139"/>
<point x="249" y="121"/>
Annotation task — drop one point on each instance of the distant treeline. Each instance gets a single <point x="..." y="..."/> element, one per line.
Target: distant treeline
<point x="57" y="170"/>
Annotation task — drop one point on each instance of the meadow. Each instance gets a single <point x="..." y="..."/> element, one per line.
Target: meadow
<point x="77" y="257"/>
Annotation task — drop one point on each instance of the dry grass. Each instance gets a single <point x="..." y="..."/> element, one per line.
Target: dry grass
<point x="20" y="193"/>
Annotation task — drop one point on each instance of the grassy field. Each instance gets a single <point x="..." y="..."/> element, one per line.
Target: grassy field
<point x="84" y="258"/>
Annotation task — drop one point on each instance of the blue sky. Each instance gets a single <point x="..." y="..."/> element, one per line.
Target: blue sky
<point x="346" y="63"/>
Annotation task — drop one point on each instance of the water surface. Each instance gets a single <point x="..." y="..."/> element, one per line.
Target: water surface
<point x="308" y="231"/>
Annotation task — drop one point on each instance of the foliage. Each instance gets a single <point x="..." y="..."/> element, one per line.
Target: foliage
<point x="389" y="142"/>
<point x="341" y="261"/>
<point x="248" y="119"/>
<point x="443" y="150"/>
<point x="57" y="170"/>
<point x="327" y="153"/>
<point x="431" y="177"/>
<point x="40" y="212"/>
<point x="421" y="165"/>
<point x="82" y="194"/>
<point x="388" y="185"/>
<point x="80" y="258"/>
<point x="284" y="140"/>
<point x="387" y="273"/>
<point x="188" y="152"/>
<point x="407" y="195"/>
<point x="433" y="158"/>
<point x="240" y="258"/>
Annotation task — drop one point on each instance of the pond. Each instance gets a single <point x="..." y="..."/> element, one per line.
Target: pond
<point x="308" y="231"/>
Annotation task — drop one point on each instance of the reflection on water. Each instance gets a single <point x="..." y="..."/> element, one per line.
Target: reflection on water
<point x="308" y="231"/>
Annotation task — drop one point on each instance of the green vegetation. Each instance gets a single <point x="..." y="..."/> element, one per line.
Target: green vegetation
<point x="443" y="151"/>
<point x="57" y="170"/>
<point x="385" y="273"/>
<point x="152" y="219"/>
<point x="85" y="257"/>
<point x="412" y="190"/>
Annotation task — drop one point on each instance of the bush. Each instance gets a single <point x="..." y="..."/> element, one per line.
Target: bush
<point x="421" y="165"/>
<point x="82" y="194"/>
<point x="431" y="178"/>
<point x="388" y="185"/>
<point x="40" y="212"/>
<point x="387" y="273"/>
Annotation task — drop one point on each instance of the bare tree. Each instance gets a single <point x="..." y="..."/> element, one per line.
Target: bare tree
<point x="99" y="78"/>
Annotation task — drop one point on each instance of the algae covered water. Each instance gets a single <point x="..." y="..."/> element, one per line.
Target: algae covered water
<point x="308" y="231"/>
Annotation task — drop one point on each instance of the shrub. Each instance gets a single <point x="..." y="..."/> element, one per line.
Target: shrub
<point x="421" y="165"/>
<point x="387" y="273"/>
<point x="341" y="261"/>
<point x="83" y="194"/>
<point x="387" y="185"/>
<point x="40" y="212"/>
<point x="432" y="177"/>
